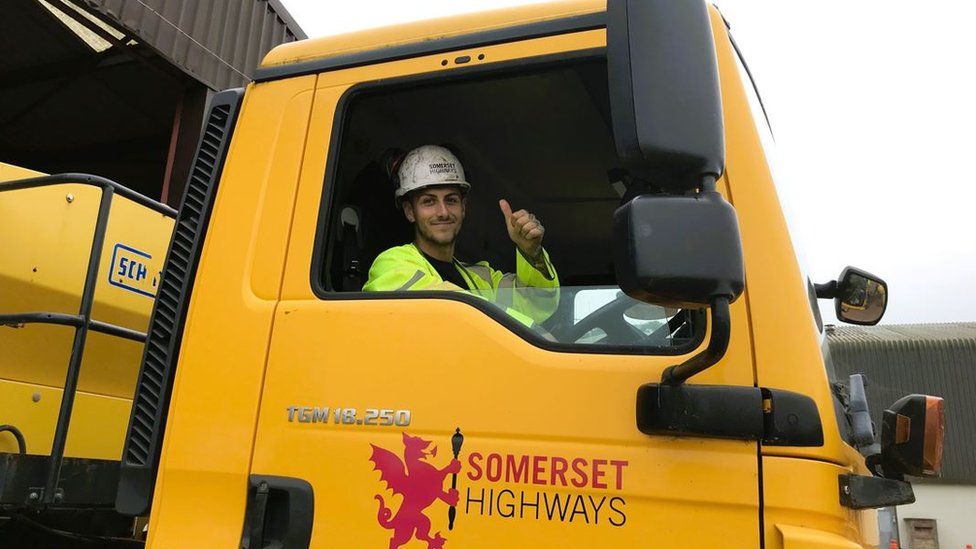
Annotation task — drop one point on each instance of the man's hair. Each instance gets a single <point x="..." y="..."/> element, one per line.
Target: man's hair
<point x="391" y="160"/>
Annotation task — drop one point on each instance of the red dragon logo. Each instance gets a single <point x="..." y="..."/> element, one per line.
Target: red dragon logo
<point x="420" y="484"/>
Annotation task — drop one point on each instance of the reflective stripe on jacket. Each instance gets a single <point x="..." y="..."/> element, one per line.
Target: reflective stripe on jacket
<point x="527" y="291"/>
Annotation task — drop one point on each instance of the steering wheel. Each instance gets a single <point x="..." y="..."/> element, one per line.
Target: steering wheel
<point x="610" y="319"/>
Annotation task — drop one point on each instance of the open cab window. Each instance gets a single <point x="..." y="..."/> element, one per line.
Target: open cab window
<point x="537" y="134"/>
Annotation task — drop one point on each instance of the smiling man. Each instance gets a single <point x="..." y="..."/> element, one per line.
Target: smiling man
<point x="431" y="190"/>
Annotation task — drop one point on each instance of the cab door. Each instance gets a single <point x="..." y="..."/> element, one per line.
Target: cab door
<point x="367" y="398"/>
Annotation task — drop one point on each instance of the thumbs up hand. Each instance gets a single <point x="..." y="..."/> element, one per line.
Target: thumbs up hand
<point x="524" y="229"/>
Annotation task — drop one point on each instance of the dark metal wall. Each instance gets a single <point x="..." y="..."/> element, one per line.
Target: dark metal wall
<point x="934" y="359"/>
<point x="124" y="99"/>
<point x="218" y="42"/>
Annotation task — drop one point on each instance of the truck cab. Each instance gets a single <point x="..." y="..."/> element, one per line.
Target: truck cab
<point x="674" y="395"/>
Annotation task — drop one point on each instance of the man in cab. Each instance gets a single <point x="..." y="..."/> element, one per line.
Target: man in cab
<point x="430" y="190"/>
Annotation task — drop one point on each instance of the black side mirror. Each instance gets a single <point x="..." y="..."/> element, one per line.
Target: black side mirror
<point x="859" y="296"/>
<point x="665" y="101"/>
<point x="912" y="435"/>
<point x="682" y="251"/>
<point x="666" y="111"/>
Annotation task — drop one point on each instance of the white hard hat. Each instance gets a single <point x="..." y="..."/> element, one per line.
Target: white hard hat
<point x="427" y="166"/>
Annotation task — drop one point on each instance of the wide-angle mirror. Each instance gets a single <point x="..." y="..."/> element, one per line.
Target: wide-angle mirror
<point x="861" y="297"/>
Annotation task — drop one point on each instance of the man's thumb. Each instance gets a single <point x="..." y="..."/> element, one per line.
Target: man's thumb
<point x="506" y="208"/>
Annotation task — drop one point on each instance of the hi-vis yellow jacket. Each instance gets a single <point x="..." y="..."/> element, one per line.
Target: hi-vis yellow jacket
<point x="528" y="292"/>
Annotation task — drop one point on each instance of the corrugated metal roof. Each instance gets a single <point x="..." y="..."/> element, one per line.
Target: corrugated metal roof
<point x="67" y="105"/>
<point x="933" y="359"/>
<point x="903" y="332"/>
<point x="64" y="48"/>
<point x="218" y="42"/>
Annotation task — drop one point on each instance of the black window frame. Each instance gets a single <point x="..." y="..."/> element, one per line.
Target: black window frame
<point x="323" y="248"/>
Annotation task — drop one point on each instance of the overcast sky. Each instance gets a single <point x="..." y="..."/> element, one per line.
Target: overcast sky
<point x="873" y="106"/>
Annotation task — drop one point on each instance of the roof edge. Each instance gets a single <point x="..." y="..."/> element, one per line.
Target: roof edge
<point x="290" y="21"/>
<point x="927" y="332"/>
<point x="539" y="29"/>
<point x="422" y="31"/>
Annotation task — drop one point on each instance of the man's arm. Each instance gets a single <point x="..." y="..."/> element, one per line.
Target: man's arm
<point x="534" y="288"/>
<point x="539" y="273"/>
<point x="530" y="292"/>
<point x="525" y="230"/>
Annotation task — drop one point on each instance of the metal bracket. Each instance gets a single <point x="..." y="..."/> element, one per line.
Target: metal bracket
<point x="35" y="496"/>
<point x="863" y="492"/>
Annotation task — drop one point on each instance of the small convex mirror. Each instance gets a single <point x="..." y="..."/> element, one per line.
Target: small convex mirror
<point x="861" y="297"/>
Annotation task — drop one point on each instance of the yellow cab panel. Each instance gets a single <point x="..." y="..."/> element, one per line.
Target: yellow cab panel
<point x="306" y="407"/>
<point x="799" y="482"/>
<point x="550" y="454"/>
<point x="206" y="452"/>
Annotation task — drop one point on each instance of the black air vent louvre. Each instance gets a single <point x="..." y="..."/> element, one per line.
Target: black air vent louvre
<point x="140" y="456"/>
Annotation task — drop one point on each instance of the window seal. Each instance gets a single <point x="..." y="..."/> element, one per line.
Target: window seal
<point x="322" y="252"/>
<point x="752" y="81"/>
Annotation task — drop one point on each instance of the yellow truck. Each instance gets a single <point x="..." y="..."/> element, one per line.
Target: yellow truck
<point x="677" y="395"/>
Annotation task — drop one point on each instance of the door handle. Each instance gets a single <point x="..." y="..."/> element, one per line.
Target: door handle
<point x="774" y="417"/>
<point x="279" y="515"/>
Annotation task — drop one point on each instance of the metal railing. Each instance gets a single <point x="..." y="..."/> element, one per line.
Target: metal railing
<point x="81" y="322"/>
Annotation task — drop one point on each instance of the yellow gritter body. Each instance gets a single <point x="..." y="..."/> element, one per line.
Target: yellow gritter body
<point x="47" y="235"/>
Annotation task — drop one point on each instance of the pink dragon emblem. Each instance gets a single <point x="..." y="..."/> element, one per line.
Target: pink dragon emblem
<point x="420" y="484"/>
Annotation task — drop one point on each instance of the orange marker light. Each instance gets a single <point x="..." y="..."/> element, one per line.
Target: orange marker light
<point x="934" y="434"/>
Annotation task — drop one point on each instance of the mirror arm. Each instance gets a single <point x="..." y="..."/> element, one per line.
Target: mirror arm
<point x="827" y="290"/>
<point x="709" y="183"/>
<point x="717" y="345"/>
